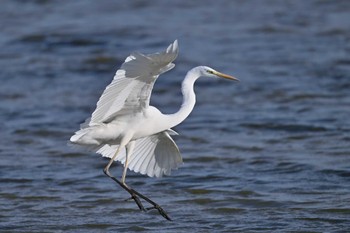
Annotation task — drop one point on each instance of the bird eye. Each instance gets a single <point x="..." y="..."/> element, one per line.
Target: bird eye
<point x="210" y="72"/>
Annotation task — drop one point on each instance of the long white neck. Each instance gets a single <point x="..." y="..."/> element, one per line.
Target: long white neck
<point x="189" y="99"/>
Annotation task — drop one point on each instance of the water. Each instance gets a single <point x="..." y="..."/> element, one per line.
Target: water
<point x="270" y="154"/>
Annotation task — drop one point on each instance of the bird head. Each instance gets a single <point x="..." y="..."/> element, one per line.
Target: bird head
<point x="206" y="71"/>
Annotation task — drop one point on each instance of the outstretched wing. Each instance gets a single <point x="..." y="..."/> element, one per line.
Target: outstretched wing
<point x="130" y="90"/>
<point x="154" y="155"/>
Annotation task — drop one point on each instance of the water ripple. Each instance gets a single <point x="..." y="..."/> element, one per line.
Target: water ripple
<point x="268" y="154"/>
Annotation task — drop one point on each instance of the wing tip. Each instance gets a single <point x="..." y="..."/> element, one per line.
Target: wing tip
<point x="176" y="44"/>
<point x="173" y="47"/>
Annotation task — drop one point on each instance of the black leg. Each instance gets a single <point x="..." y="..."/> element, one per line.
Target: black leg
<point x="155" y="205"/>
<point x="136" y="197"/>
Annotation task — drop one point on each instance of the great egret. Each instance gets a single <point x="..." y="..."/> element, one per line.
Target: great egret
<point x="124" y="127"/>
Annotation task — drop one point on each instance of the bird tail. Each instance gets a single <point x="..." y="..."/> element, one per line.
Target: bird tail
<point x="77" y="141"/>
<point x="83" y="137"/>
<point x="78" y="135"/>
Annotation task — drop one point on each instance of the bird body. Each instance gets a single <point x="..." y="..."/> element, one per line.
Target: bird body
<point x="136" y="126"/>
<point x="140" y="124"/>
<point x="126" y="128"/>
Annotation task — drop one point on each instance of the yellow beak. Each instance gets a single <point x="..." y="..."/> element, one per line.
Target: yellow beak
<point x="221" y="75"/>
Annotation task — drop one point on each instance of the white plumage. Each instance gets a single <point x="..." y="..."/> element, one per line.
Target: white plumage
<point x="153" y="156"/>
<point x="124" y="127"/>
<point x="128" y="94"/>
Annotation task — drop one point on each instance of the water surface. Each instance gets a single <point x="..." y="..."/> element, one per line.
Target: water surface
<point x="270" y="154"/>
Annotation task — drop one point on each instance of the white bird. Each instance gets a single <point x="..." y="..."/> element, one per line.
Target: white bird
<point x="124" y="127"/>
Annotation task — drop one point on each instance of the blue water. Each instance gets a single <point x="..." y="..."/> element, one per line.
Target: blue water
<point x="268" y="154"/>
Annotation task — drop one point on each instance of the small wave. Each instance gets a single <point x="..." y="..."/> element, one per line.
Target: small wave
<point x="285" y="127"/>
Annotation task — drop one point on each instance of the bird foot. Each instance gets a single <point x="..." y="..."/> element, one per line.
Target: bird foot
<point x="137" y="201"/>
<point x="136" y="197"/>
<point x="154" y="205"/>
<point x="160" y="211"/>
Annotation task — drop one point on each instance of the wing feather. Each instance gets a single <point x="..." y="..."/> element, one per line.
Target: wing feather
<point x="167" y="153"/>
<point x="109" y="150"/>
<point x="154" y="155"/>
<point x="146" y="149"/>
<point x="112" y="100"/>
<point x="131" y="87"/>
